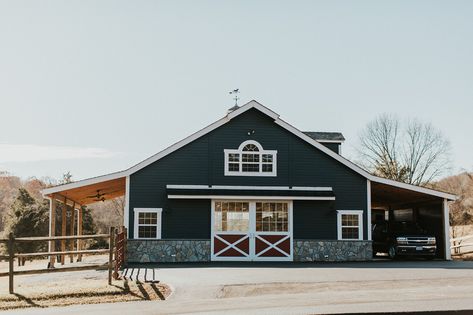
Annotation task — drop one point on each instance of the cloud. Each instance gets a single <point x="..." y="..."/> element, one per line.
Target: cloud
<point x="34" y="153"/>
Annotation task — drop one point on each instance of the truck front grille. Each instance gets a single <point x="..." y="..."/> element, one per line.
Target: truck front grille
<point x="417" y="241"/>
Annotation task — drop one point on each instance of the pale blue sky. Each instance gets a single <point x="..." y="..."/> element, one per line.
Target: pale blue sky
<point x="93" y="87"/>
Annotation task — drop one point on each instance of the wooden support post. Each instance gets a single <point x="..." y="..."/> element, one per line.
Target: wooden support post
<point x="11" y="258"/>
<point x="73" y="219"/>
<point x="110" y="254"/>
<point x="63" y="230"/>
<point x="79" y="231"/>
<point x="52" y="230"/>
<point x="125" y="237"/>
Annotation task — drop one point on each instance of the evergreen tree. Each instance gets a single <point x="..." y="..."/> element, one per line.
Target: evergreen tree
<point x="27" y="217"/>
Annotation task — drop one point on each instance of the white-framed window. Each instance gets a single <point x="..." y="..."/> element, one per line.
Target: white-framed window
<point x="350" y="224"/>
<point x="148" y="223"/>
<point x="250" y="159"/>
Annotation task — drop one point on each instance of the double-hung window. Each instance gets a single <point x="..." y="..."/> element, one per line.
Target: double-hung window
<point x="148" y="223"/>
<point x="350" y="224"/>
<point x="250" y="159"/>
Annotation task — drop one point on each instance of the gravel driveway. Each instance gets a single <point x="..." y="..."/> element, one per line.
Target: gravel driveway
<point x="277" y="288"/>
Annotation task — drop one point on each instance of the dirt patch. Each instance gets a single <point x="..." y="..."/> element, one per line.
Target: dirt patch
<point x="249" y="290"/>
<point x="76" y="287"/>
<point x="463" y="257"/>
<point x="93" y="293"/>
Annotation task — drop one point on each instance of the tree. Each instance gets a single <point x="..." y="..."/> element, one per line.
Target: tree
<point x="461" y="210"/>
<point x="414" y="152"/>
<point x="66" y="178"/>
<point x="108" y="213"/>
<point x="27" y="217"/>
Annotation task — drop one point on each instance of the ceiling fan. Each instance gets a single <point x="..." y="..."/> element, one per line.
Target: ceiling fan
<point x="99" y="196"/>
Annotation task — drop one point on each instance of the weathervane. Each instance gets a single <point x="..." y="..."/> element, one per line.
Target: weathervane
<point x="236" y="98"/>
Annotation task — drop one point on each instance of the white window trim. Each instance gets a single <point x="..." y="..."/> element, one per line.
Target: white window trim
<point x="158" y="225"/>
<point x="261" y="151"/>
<point x="360" y="224"/>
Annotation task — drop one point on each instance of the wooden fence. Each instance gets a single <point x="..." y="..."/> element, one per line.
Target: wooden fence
<point x="462" y="245"/>
<point x="120" y="249"/>
<point x="111" y="250"/>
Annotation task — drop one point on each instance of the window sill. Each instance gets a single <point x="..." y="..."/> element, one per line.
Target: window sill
<point x="251" y="174"/>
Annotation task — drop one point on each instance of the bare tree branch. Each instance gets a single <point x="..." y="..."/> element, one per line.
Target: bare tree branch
<point x="416" y="155"/>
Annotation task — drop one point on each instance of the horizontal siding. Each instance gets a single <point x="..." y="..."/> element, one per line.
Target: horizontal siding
<point x="335" y="147"/>
<point x="314" y="220"/>
<point x="187" y="219"/>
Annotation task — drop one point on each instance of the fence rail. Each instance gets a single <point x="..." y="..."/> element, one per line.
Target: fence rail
<point x="112" y="251"/>
<point x="462" y="245"/>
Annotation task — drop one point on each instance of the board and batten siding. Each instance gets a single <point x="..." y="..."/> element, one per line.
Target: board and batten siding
<point x="201" y="162"/>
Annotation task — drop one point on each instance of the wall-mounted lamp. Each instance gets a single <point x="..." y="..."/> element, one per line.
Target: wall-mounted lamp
<point x="251" y="132"/>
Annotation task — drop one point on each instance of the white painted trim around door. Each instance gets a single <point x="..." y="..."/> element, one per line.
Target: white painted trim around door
<point x="252" y="233"/>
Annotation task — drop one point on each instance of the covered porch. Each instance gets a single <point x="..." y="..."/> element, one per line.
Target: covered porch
<point x="66" y="209"/>
<point x="424" y="207"/>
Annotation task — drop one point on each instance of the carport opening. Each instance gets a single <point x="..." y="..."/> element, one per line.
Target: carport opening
<point x="400" y="206"/>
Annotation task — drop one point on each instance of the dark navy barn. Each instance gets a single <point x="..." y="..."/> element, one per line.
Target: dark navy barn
<point x="251" y="187"/>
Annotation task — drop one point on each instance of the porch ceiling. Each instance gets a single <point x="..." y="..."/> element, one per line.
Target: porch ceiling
<point x="386" y="195"/>
<point x="86" y="194"/>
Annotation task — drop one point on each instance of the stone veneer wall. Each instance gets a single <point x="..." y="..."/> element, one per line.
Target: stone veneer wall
<point x="327" y="250"/>
<point x="143" y="251"/>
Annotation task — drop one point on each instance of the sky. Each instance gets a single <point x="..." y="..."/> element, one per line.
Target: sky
<point x="94" y="87"/>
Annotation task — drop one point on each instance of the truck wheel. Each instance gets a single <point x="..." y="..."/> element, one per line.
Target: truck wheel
<point x="392" y="252"/>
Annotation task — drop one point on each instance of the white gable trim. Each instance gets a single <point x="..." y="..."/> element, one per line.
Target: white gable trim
<point x="224" y="120"/>
<point x="330" y="141"/>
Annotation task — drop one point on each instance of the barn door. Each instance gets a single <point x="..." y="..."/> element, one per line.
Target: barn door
<point x="244" y="230"/>
<point x="272" y="236"/>
<point x="231" y="230"/>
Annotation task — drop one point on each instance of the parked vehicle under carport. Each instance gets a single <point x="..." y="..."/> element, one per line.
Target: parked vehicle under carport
<point x="403" y="239"/>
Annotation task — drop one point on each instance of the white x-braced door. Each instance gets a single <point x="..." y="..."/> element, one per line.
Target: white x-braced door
<point x="251" y="230"/>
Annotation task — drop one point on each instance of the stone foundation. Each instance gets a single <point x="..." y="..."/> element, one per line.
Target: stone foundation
<point x="143" y="251"/>
<point x="327" y="250"/>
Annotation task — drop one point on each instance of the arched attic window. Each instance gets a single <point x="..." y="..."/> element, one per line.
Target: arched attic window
<point x="250" y="159"/>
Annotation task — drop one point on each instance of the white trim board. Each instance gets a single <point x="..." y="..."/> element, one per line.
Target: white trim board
<point x="330" y="141"/>
<point x="229" y="197"/>
<point x="368" y="207"/>
<point x="227" y="118"/>
<point x="219" y="187"/>
<point x="126" y="212"/>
